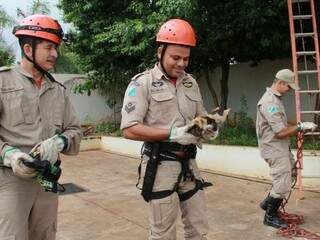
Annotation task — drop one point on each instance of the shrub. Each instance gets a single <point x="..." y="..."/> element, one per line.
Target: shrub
<point x="239" y="130"/>
<point x="111" y="129"/>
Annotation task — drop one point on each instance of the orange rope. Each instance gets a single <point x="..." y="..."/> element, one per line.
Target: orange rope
<point x="293" y="220"/>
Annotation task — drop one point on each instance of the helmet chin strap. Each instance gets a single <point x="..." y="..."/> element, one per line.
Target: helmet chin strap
<point x="161" y="60"/>
<point x="36" y="66"/>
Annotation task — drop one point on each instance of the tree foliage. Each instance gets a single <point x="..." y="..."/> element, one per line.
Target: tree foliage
<point x="36" y="7"/>
<point x="116" y="39"/>
<point x="6" y="56"/>
<point x="248" y="30"/>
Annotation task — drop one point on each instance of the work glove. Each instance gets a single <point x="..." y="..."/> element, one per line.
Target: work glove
<point x="304" y="126"/>
<point x="181" y="135"/>
<point x="15" y="159"/>
<point x="50" y="148"/>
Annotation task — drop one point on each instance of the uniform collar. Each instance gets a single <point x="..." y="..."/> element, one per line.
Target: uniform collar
<point x="47" y="82"/>
<point x="274" y="92"/>
<point x="23" y="72"/>
<point x="160" y="75"/>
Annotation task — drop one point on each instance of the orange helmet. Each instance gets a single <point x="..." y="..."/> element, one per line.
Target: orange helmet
<point x="177" y="31"/>
<point x="40" y="26"/>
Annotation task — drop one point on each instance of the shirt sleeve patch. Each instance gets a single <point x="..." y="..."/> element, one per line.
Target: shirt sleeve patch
<point x="273" y="109"/>
<point x="132" y="91"/>
<point x="130" y="107"/>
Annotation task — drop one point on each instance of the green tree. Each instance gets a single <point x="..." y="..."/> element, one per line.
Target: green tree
<point x="248" y="30"/>
<point x="116" y="39"/>
<point x="6" y="56"/>
<point x="36" y="7"/>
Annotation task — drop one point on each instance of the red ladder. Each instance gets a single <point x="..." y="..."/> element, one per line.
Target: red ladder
<point x="305" y="47"/>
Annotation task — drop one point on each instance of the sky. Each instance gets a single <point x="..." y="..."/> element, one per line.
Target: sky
<point x="10" y="6"/>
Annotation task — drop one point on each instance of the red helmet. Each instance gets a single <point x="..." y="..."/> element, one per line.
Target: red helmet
<point x="40" y="26"/>
<point x="177" y="31"/>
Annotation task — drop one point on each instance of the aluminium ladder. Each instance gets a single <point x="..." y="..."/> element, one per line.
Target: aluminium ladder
<point x="306" y="67"/>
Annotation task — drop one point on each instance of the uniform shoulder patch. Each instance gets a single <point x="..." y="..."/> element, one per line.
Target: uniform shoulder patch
<point x="5" y="68"/>
<point x="273" y="109"/>
<point x="132" y="91"/>
<point x="139" y="75"/>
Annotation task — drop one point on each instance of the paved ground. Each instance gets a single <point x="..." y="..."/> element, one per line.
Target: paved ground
<point x="113" y="209"/>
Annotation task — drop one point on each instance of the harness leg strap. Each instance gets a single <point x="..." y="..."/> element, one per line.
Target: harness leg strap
<point x="150" y="173"/>
<point x="185" y="196"/>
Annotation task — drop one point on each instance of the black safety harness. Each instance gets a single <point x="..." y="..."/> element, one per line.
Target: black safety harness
<point x="166" y="151"/>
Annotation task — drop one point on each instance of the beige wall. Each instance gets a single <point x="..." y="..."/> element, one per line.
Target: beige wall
<point x="90" y="109"/>
<point x="244" y="80"/>
<point x="251" y="82"/>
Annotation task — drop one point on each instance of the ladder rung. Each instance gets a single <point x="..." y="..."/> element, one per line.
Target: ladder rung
<point x="306" y="53"/>
<point x="300" y="1"/>
<point x="304" y="72"/>
<point x="310" y="112"/>
<point x="312" y="133"/>
<point x="301" y="17"/>
<point x="309" y="91"/>
<point x="311" y="34"/>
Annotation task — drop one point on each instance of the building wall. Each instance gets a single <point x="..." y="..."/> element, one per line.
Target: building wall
<point x="90" y="109"/>
<point x="244" y="81"/>
<point x="251" y="82"/>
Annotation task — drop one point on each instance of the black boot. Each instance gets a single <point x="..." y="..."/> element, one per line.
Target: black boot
<point x="264" y="203"/>
<point x="271" y="217"/>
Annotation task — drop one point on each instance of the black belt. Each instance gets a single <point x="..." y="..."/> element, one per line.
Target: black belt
<point x="170" y="146"/>
<point x="170" y="151"/>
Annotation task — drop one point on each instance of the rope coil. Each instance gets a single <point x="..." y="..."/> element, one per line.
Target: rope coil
<point x="293" y="230"/>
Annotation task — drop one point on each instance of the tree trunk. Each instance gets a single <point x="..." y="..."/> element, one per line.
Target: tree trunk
<point x="211" y="89"/>
<point x="225" y="68"/>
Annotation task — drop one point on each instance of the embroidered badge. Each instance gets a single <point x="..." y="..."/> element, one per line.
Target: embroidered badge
<point x="157" y="84"/>
<point x="130" y="107"/>
<point x="187" y="84"/>
<point x="273" y="109"/>
<point x="136" y="83"/>
<point x="132" y="91"/>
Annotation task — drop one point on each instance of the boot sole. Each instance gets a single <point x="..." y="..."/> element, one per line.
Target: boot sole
<point x="270" y="224"/>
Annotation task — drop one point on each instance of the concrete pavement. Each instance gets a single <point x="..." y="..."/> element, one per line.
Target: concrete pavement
<point x="112" y="208"/>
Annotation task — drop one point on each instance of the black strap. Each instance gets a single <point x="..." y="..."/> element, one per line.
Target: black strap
<point x="200" y="184"/>
<point x="151" y="172"/>
<point x="172" y="147"/>
<point x="185" y="196"/>
<point x="164" y="151"/>
<point x="36" y="66"/>
<point x="161" y="194"/>
<point x="58" y="32"/>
